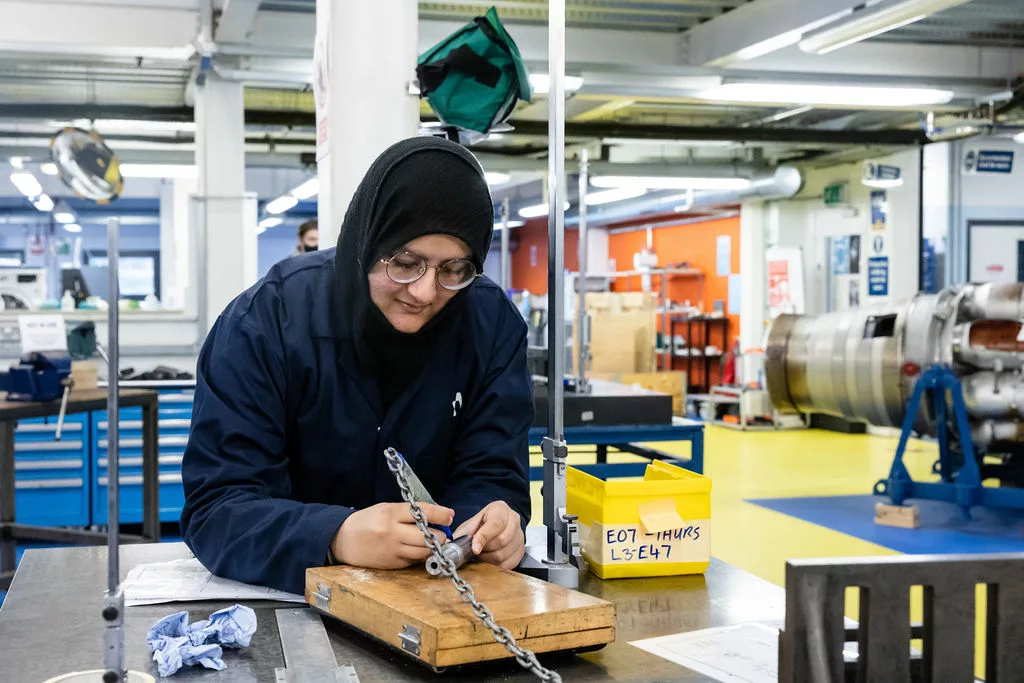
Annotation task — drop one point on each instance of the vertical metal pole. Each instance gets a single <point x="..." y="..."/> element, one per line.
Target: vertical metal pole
<point x="113" y="504"/>
<point x="113" y="609"/>
<point x="555" y="452"/>
<point x="506" y="264"/>
<point x="556" y="215"/>
<point x="582" y="320"/>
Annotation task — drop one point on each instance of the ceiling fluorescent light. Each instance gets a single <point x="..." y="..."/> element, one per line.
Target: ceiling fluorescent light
<point x="872" y="21"/>
<point x="617" y="194"/>
<point x="762" y="48"/>
<point x="159" y="171"/>
<point x="825" y="95"/>
<point x="72" y="227"/>
<point x="537" y="210"/>
<point x="49" y="169"/>
<point x="140" y="125"/>
<point x="512" y="224"/>
<point x="27" y="184"/>
<point x="64" y="217"/>
<point x="43" y="203"/>
<point x="541" y="84"/>
<point x="281" y="204"/>
<point x="494" y="178"/>
<point x="270" y="222"/>
<point x="308" y="189"/>
<point x="667" y="143"/>
<point x="670" y="183"/>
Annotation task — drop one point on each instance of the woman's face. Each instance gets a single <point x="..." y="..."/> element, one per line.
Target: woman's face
<point x="410" y="306"/>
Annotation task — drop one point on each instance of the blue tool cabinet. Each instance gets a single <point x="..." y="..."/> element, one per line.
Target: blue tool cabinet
<point x="51" y="478"/>
<point x="175" y="416"/>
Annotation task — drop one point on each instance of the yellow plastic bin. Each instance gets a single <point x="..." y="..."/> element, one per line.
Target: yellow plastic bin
<point x="660" y="526"/>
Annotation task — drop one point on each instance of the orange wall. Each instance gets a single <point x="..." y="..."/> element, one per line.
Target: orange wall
<point x="533" y="275"/>
<point x="697" y="244"/>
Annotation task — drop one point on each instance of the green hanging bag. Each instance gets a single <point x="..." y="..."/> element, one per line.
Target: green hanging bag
<point x="474" y="77"/>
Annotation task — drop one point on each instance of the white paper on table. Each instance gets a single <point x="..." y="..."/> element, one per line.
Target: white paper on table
<point x="745" y="653"/>
<point x="188" y="580"/>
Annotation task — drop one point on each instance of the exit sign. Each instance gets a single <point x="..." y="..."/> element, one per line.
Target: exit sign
<point x="835" y="194"/>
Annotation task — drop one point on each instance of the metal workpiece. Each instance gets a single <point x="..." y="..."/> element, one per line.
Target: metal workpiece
<point x="863" y="364"/>
<point x="459" y="551"/>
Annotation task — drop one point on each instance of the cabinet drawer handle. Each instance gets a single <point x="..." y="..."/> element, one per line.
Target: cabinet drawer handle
<point x="66" y="464"/>
<point x="168" y="478"/>
<point x="49" y="483"/>
<point x="124" y="424"/>
<point x="137" y="443"/>
<point x="174" y="398"/>
<point x="137" y="461"/>
<point x="74" y="445"/>
<point x="47" y="429"/>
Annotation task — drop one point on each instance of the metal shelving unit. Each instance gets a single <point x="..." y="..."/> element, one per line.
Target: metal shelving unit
<point x="706" y="324"/>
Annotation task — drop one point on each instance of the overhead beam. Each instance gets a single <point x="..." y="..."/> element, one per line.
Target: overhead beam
<point x="162" y="30"/>
<point x="591" y="130"/>
<point x="292" y="34"/>
<point x="236" y="20"/>
<point x="761" y="26"/>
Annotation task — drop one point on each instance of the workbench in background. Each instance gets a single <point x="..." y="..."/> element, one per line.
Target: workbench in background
<point x="32" y="650"/>
<point x="43" y="474"/>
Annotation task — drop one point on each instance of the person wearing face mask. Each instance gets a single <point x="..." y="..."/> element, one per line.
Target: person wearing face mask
<point x="309" y="238"/>
<point x="393" y="339"/>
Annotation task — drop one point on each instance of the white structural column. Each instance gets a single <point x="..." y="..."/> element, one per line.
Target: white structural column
<point x="226" y="218"/>
<point x="364" y="59"/>
<point x="754" y="218"/>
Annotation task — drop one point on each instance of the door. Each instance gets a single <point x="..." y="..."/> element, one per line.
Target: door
<point x="996" y="251"/>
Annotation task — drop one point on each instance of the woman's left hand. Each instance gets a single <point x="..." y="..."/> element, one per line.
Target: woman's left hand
<point x="497" y="536"/>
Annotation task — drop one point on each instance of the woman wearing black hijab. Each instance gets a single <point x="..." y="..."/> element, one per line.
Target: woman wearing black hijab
<point x="394" y="339"/>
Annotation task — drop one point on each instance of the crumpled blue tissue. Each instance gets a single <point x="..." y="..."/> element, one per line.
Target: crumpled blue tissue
<point x="176" y="643"/>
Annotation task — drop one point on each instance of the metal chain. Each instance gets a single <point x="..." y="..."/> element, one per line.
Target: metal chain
<point x="526" y="658"/>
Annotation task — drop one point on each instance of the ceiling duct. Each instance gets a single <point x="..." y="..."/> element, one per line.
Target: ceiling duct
<point x="781" y="182"/>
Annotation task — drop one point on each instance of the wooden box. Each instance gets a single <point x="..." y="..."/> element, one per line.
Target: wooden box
<point x="424" y="616"/>
<point x="622" y="332"/>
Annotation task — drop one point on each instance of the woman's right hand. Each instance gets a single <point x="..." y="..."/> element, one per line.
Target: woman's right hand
<point x="386" y="537"/>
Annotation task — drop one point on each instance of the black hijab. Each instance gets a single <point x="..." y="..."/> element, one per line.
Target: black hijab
<point x="419" y="186"/>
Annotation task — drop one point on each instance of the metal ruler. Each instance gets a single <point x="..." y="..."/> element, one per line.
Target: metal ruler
<point x="308" y="655"/>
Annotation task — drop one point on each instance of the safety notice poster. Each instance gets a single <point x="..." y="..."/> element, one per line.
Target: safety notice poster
<point x="878" y="276"/>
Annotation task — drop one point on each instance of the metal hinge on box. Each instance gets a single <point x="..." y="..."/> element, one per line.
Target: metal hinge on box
<point x="322" y="597"/>
<point x="410" y="637"/>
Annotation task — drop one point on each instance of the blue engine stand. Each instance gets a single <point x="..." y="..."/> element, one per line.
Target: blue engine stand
<point x="960" y="483"/>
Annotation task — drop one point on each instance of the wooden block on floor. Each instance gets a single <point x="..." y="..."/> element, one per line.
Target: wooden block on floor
<point x="903" y="516"/>
<point x="424" y="617"/>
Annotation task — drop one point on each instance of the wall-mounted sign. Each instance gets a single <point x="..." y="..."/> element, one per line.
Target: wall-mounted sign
<point x="835" y="194"/>
<point x="878" y="276"/>
<point x="988" y="161"/>
<point x="841" y="255"/>
<point x="879" y="209"/>
<point x="881" y="175"/>
<point x="878" y="244"/>
<point x="854" y="254"/>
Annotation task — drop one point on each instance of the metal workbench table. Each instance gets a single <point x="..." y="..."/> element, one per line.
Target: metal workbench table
<point x="50" y="624"/>
<point x="79" y="401"/>
<point x="627" y="438"/>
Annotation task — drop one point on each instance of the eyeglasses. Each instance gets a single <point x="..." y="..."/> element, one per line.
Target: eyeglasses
<point x="406" y="267"/>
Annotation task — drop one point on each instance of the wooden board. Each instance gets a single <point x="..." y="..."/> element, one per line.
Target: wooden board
<point x="541" y="616"/>
<point x="902" y="516"/>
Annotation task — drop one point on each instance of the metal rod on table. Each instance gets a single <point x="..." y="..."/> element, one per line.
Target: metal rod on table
<point x="553" y="446"/>
<point x="582" y="326"/>
<point x="506" y="274"/>
<point x="113" y="608"/>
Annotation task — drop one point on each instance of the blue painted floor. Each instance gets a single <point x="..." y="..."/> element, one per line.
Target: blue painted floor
<point x="942" y="529"/>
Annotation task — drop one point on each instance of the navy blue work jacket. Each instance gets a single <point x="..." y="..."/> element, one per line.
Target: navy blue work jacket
<point x="288" y="434"/>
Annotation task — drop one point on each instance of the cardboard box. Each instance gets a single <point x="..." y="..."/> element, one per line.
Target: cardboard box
<point x="671" y="383"/>
<point x="622" y="332"/>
